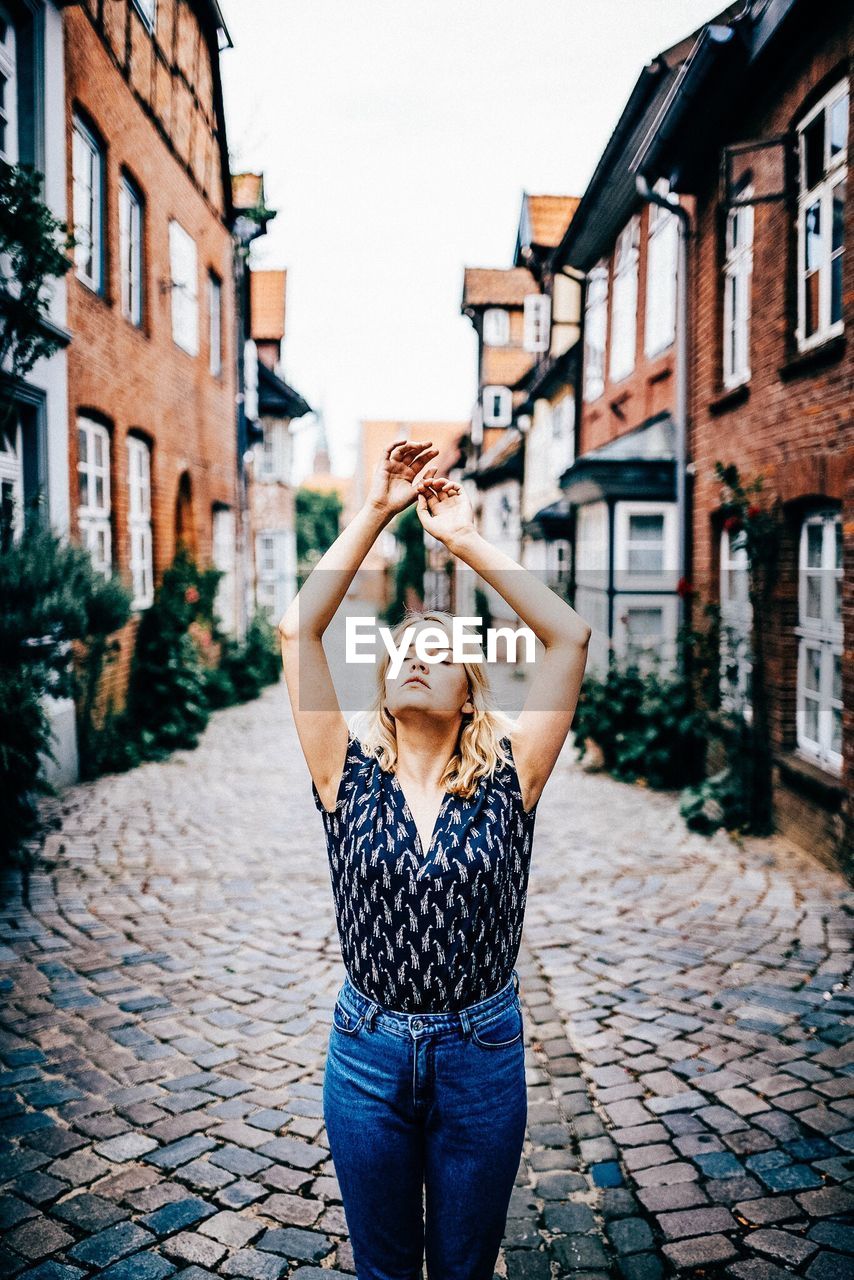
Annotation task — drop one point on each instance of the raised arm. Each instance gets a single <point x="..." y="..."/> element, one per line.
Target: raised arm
<point x="546" y="718"/>
<point x="320" y="724"/>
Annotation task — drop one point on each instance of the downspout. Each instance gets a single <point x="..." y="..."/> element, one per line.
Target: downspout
<point x="681" y="411"/>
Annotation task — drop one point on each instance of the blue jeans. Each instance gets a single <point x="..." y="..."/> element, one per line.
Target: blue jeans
<point x="430" y="1105"/>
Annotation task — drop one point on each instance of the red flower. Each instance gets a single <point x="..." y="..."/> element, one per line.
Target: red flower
<point x="753" y="511"/>
<point x="732" y="524"/>
<point x="684" y="587"/>
<point x="191" y="595"/>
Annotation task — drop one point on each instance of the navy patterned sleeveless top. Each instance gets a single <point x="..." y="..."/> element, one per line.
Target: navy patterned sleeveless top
<point x="434" y="932"/>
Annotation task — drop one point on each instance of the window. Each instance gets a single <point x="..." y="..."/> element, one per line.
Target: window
<point x="644" y="632"/>
<point x="273" y="452"/>
<point x="496" y="327"/>
<point x="819" y="690"/>
<point x="8" y="90"/>
<point x="215" y="323"/>
<point x="147" y="10"/>
<point x="139" y="522"/>
<point x="130" y="250"/>
<point x="185" y="288"/>
<point x="823" y="147"/>
<point x="661" y="264"/>
<point x="11" y="483"/>
<point x="645" y="546"/>
<point x="736" y="666"/>
<point x="93" y="482"/>
<point x="224" y="557"/>
<point x="624" y="306"/>
<point x="595" y="324"/>
<point x="738" y="269"/>
<point x="537" y="320"/>
<point x="275" y="579"/>
<point x="87" y="160"/>
<point x="497" y="407"/>
<point x="563" y="433"/>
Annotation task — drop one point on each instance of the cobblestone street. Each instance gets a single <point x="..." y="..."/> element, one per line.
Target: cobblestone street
<point x="168" y="979"/>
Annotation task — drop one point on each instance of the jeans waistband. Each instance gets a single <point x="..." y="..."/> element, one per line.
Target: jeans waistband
<point x="356" y="1002"/>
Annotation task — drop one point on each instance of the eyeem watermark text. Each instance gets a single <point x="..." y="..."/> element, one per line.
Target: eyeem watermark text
<point x="431" y="642"/>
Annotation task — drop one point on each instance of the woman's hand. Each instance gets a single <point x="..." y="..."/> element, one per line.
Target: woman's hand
<point x="443" y="508"/>
<point x="392" y="488"/>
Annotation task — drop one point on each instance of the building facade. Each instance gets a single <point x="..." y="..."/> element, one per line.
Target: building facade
<point x="151" y="368"/>
<point x="772" y="372"/>
<point x="34" y="443"/>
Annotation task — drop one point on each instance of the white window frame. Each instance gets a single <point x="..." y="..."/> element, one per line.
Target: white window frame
<point x="10" y="151"/>
<point x="821" y="634"/>
<point x="661" y="648"/>
<point x="738" y="277"/>
<point x="141" y="558"/>
<point x="626" y="579"/>
<point x="563" y="432"/>
<point x="224" y="556"/>
<point x="88" y="206"/>
<point x="595" y="330"/>
<point x="496" y="327"/>
<point x="273" y="581"/>
<point x="736" y="639"/>
<point x="94" y="516"/>
<point x="147" y="10"/>
<point x="272" y="451"/>
<point x="536" y="332"/>
<point x="12" y="472"/>
<point x="215" y="323"/>
<point x="130" y="250"/>
<point x="662" y="261"/>
<point x="497" y="406"/>
<point x="624" y="301"/>
<point x="184" y="272"/>
<point x="820" y="196"/>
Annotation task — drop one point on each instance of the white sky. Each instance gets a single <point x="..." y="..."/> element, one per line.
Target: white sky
<point x="396" y="138"/>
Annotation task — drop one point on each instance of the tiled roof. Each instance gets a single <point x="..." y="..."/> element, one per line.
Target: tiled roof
<point x="267" y="303"/>
<point x="549" y="217"/>
<point x="494" y="286"/>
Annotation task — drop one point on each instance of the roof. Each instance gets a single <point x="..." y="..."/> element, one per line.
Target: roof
<point x="611" y="195"/>
<point x="497" y="286"/>
<point x="276" y="398"/>
<point x="504" y="366"/>
<point x="267" y="305"/>
<point x="639" y="464"/>
<point x="546" y="218"/>
<point x="247" y="191"/>
<point x="652" y="440"/>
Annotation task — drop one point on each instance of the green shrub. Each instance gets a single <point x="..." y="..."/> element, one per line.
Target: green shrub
<point x="51" y="595"/>
<point x="254" y="664"/>
<point x="645" y="725"/>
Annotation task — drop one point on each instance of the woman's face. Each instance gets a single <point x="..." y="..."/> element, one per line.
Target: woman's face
<point x="437" y="689"/>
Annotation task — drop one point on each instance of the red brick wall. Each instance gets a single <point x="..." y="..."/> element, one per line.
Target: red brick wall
<point x="794" y="424"/>
<point x="151" y="101"/>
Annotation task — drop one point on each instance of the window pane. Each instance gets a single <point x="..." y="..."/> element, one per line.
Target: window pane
<point x="813" y="146"/>
<point x="646" y="528"/>
<point x="815" y="542"/>
<point x="839" y="126"/>
<point x="812" y="670"/>
<point x="811" y="719"/>
<point x="837" y="240"/>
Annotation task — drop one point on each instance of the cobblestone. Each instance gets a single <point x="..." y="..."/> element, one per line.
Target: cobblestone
<point x="169" y="971"/>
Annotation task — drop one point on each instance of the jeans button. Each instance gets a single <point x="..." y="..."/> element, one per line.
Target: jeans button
<point x="417" y="1024"/>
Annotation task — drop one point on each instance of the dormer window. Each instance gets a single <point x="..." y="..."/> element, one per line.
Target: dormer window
<point x="496" y="327"/>
<point x="497" y="407"/>
<point x="537" y="321"/>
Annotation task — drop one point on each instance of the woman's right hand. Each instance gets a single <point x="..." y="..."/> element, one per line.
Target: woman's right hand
<point x="392" y="489"/>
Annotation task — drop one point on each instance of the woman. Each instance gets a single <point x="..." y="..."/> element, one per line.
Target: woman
<point x="429" y="816"/>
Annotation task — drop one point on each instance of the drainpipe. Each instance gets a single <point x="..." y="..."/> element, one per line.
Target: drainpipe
<point x="681" y="414"/>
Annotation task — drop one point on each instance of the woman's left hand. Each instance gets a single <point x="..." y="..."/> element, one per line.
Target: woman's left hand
<point x="443" y="508"/>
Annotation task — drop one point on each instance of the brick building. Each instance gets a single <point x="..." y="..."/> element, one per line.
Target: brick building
<point x="272" y="494"/>
<point x="151" y="368"/>
<point x="765" y="99"/>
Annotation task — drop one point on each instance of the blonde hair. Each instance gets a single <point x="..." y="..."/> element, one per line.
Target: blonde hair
<point x="478" y="752"/>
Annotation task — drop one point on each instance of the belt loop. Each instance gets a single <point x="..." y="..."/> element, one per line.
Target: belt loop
<point x="370" y="1015"/>
<point x="466" y="1022"/>
<point x="515" y="980"/>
